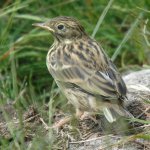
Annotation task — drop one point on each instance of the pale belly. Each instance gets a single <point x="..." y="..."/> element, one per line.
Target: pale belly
<point x="76" y="96"/>
<point x="81" y="100"/>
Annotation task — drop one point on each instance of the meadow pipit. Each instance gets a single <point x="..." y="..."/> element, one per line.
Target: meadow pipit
<point x="83" y="71"/>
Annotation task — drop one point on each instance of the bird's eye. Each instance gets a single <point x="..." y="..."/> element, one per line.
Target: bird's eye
<point x="60" y="27"/>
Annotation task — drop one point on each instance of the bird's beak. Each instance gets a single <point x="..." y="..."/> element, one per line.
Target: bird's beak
<point x="44" y="26"/>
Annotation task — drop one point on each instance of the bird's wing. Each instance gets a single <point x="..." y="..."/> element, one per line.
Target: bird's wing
<point x="88" y="68"/>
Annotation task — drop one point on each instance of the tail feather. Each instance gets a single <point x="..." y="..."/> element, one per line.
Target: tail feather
<point x="108" y="115"/>
<point x="112" y="113"/>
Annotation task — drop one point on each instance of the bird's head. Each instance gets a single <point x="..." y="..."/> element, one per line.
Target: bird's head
<point x="63" y="28"/>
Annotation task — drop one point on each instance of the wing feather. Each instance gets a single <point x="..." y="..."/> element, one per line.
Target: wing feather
<point x="97" y="79"/>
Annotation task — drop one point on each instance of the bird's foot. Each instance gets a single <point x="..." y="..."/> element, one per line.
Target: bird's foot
<point x="62" y="122"/>
<point x="56" y="125"/>
<point x="88" y="115"/>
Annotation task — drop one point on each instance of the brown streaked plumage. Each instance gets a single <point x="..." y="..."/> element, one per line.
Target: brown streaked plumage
<point x="83" y="71"/>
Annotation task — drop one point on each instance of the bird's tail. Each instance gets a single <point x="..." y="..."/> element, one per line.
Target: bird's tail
<point x="114" y="112"/>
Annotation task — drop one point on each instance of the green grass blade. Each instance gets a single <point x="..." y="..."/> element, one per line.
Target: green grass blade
<point x="101" y="18"/>
<point x="126" y="37"/>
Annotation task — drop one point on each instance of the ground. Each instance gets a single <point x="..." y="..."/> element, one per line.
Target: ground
<point x="83" y="134"/>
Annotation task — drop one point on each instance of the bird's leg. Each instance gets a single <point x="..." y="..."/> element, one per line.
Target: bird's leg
<point x="58" y="124"/>
<point x="83" y="115"/>
<point x="65" y="120"/>
<point x="79" y="113"/>
<point x="62" y="122"/>
<point x="88" y="115"/>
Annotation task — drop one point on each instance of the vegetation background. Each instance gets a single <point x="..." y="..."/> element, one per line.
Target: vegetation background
<point x="24" y="79"/>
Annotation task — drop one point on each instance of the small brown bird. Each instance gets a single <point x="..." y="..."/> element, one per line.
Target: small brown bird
<point x="83" y="71"/>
